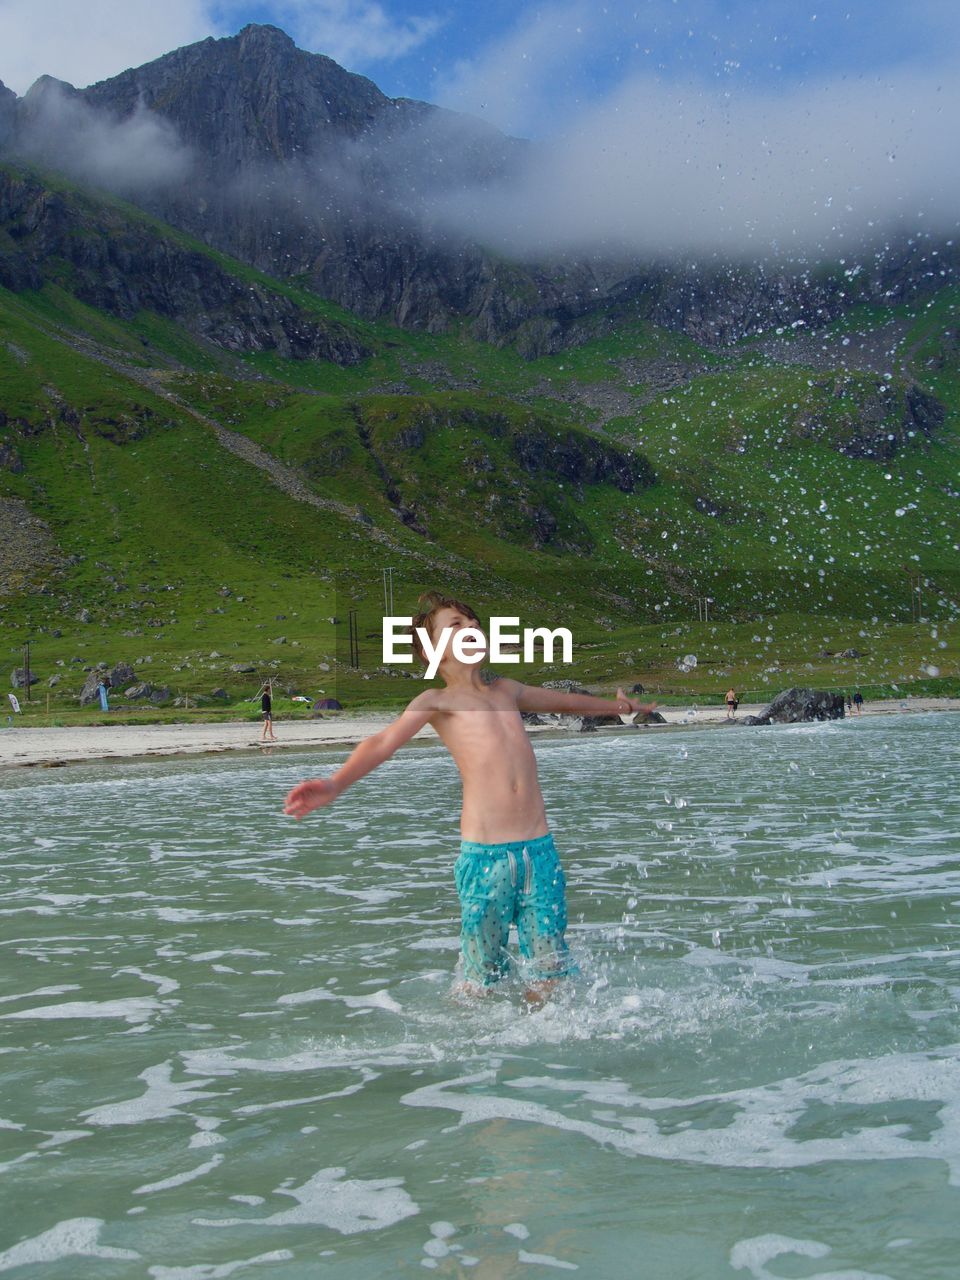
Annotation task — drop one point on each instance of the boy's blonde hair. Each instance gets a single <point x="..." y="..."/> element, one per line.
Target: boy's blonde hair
<point x="431" y="602"/>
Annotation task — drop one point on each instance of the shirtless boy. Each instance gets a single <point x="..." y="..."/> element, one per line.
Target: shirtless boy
<point x="508" y="870"/>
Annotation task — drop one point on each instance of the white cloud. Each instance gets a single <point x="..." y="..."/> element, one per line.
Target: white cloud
<point x="82" y="41"/>
<point x="662" y="169"/>
<point x="129" y="156"/>
<point x="354" y="33"/>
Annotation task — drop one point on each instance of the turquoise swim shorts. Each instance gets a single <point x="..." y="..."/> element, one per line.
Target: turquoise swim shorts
<point x="517" y="883"/>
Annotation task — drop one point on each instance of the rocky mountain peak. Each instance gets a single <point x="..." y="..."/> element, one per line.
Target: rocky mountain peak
<point x="44" y="86"/>
<point x="263" y="35"/>
<point x="8" y="107"/>
<point x="251" y="97"/>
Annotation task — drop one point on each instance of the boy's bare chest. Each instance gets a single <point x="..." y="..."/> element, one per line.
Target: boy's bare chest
<point x="480" y="723"/>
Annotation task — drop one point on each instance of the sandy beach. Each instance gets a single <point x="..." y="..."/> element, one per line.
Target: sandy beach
<point x="31" y="747"/>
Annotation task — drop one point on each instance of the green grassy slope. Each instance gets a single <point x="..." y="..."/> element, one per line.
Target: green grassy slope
<point x="605" y="489"/>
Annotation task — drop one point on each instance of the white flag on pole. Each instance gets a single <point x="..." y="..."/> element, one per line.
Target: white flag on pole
<point x="14" y="703"/>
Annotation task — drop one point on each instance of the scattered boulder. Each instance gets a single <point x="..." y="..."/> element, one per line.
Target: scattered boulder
<point x="137" y="691"/>
<point x="794" y="706"/>
<point x="121" y="674"/>
<point x="243" y="668"/>
<point x="83" y="615"/>
<point x="575" y="723"/>
<point x="159" y="695"/>
<point x="90" y="692"/>
<point x="572" y="724"/>
<point x="10" y="458"/>
<point x="221" y="695"/>
<point x="566" y="686"/>
<point x="850" y="653"/>
<point x="54" y="681"/>
<point x="18" y="678"/>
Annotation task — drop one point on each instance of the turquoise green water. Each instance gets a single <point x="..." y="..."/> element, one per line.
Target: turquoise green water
<point x="230" y="1047"/>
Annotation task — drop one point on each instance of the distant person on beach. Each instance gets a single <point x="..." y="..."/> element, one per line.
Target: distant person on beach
<point x="732" y="703"/>
<point x="858" y="702"/>
<point x="266" y="707"/>
<point x="508" y="871"/>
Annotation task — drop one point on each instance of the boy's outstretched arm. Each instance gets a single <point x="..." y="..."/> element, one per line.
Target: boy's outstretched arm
<point x="532" y="698"/>
<point x="316" y="792"/>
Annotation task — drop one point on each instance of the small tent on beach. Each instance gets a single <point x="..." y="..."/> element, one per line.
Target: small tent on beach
<point x="327" y="704"/>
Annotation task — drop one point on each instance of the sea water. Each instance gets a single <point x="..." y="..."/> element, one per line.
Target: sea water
<point x="230" y="1044"/>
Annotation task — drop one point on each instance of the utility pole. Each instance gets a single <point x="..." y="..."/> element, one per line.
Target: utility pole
<point x="916" y="597"/>
<point x="354" y="639"/>
<point x="388" y="593"/>
<point x="26" y="668"/>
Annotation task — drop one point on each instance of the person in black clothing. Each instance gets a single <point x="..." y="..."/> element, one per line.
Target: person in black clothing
<point x="266" y="706"/>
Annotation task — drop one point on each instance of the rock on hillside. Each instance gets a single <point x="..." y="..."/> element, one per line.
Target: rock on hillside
<point x="123" y="265"/>
<point x="28" y="551"/>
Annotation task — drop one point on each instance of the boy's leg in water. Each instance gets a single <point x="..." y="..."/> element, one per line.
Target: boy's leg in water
<point x="542" y="919"/>
<point x="483" y="880"/>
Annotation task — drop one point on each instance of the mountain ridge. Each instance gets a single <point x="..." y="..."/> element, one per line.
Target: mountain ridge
<point x="307" y="171"/>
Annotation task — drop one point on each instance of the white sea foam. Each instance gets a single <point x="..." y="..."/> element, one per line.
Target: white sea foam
<point x="754" y="1254"/>
<point x="328" y="1199"/>
<point x="218" y="1271"/>
<point x="164" y="985"/>
<point x="379" y="999"/>
<point x="72" y="1238"/>
<point x="41" y="991"/>
<point x="162" y="1098"/>
<point x="135" y="1010"/>
<point x="178" y="1179"/>
<point x="545" y="1260"/>
<point x="758" y="1122"/>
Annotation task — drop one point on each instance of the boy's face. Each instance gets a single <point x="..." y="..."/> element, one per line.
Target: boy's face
<point x="458" y="621"/>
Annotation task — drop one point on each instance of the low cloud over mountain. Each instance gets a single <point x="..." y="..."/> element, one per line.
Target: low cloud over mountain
<point x="661" y="170"/>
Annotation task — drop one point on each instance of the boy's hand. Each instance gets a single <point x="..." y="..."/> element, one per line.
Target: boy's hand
<point x="636" y="707"/>
<point x="307" y="796"/>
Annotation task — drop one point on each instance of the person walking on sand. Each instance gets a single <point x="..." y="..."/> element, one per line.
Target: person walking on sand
<point x="508" y="871"/>
<point x="858" y="702"/>
<point x="266" y="707"/>
<point x="732" y="703"/>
